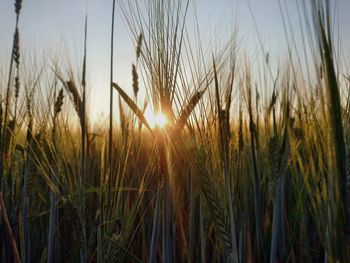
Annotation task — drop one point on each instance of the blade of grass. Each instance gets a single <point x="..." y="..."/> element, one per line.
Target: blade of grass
<point x="132" y="106"/>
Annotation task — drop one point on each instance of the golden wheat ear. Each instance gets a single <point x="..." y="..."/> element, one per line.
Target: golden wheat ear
<point x="187" y="110"/>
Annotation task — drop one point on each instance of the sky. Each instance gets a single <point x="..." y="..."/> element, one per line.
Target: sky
<point x="47" y="25"/>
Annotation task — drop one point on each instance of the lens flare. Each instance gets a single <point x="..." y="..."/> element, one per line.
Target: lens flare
<point x="155" y="119"/>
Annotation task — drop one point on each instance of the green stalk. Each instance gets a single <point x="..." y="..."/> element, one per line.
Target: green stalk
<point x="167" y="201"/>
<point x="277" y="235"/>
<point x="154" y="237"/>
<point x="53" y="218"/>
<point x="339" y="180"/>
<point x="83" y="257"/>
<point x="110" y="135"/>
<point x="223" y="117"/>
<point x="18" y="7"/>
<point x="256" y="177"/>
<point x="25" y="198"/>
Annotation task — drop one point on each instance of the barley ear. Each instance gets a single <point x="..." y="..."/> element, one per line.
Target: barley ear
<point x="135" y="80"/>
<point x="187" y="110"/>
<point x="18" y="6"/>
<point x="139" y="44"/>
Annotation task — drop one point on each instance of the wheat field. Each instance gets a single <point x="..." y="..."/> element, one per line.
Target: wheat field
<point x="221" y="161"/>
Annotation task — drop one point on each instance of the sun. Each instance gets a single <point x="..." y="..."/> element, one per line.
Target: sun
<point x="155" y="119"/>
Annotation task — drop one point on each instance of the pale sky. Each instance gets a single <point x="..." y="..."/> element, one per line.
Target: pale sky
<point x="47" y="24"/>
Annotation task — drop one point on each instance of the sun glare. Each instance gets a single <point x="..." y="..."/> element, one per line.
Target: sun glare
<point x="155" y="119"/>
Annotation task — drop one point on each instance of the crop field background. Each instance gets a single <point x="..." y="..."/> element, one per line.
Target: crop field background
<point x="211" y="152"/>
